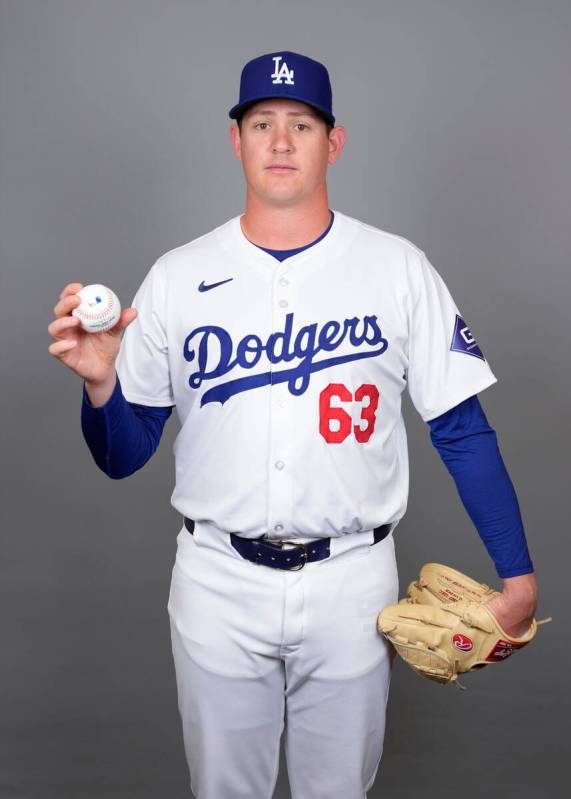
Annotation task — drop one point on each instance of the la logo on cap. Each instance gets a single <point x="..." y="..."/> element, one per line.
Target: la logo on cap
<point x="282" y="72"/>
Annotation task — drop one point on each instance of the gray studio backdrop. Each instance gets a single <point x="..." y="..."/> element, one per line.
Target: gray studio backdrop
<point x="114" y="149"/>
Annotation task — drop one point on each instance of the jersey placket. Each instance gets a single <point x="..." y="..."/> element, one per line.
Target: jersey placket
<point x="280" y="485"/>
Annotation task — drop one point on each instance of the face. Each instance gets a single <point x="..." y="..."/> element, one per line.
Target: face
<point x="285" y="150"/>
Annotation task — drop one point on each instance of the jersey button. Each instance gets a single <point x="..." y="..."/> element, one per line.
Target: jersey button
<point x="284" y="281"/>
<point x="278" y="528"/>
<point x="279" y="464"/>
<point x="283" y="303"/>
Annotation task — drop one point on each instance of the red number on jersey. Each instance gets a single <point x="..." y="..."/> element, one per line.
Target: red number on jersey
<point x="328" y="412"/>
<point x="363" y="434"/>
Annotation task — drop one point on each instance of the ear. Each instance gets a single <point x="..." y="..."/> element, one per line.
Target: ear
<point x="236" y="141"/>
<point x="337" y="139"/>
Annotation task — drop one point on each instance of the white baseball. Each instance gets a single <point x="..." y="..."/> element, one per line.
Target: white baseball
<point x="100" y="308"/>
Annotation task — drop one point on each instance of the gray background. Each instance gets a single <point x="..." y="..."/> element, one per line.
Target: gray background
<point x="115" y="149"/>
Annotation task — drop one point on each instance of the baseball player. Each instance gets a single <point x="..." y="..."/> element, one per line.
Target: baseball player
<point x="285" y="338"/>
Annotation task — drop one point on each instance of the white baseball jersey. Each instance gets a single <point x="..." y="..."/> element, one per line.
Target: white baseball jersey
<point x="287" y="377"/>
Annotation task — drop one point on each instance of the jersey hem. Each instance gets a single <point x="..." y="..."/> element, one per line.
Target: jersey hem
<point x="460" y="397"/>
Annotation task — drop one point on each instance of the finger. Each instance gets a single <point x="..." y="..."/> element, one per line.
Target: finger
<point x="414" y="613"/>
<point x="67" y="304"/>
<point x="59" y="348"/>
<point x="71" y="288"/>
<point x="127" y="316"/>
<point x="59" y="326"/>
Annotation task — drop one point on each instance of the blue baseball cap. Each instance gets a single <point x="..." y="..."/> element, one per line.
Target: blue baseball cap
<point x="285" y="74"/>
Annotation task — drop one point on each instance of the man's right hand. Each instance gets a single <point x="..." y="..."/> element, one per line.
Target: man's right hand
<point x="90" y="355"/>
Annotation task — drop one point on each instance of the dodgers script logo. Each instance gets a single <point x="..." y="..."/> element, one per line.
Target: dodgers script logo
<point x="281" y="73"/>
<point x="214" y="342"/>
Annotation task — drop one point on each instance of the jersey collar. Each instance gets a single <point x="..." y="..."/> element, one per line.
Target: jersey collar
<point x="329" y="246"/>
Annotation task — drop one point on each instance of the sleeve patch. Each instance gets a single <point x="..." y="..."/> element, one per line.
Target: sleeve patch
<point x="464" y="341"/>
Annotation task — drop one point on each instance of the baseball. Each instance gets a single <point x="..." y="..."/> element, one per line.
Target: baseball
<point x="100" y="308"/>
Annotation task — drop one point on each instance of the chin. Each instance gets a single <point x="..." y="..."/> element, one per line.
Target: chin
<point x="280" y="193"/>
<point x="283" y="198"/>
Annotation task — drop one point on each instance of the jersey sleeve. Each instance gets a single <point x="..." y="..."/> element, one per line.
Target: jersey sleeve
<point x="445" y="363"/>
<point x="142" y="363"/>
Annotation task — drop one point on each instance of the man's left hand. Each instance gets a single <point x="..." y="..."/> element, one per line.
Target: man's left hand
<point x="515" y="607"/>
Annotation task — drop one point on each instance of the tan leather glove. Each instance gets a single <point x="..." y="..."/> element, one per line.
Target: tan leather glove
<point x="437" y="584"/>
<point x="443" y="628"/>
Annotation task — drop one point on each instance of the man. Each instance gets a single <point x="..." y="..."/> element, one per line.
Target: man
<point x="285" y="338"/>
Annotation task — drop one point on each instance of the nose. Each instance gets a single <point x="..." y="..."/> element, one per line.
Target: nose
<point x="281" y="140"/>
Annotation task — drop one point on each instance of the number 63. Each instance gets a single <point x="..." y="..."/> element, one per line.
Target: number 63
<point x="327" y="412"/>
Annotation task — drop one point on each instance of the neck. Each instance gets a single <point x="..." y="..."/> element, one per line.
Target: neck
<point x="285" y="227"/>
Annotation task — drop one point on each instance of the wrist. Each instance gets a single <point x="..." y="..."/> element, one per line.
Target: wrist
<point x="523" y="588"/>
<point x="99" y="392"/>
<point x="105" y="382"/>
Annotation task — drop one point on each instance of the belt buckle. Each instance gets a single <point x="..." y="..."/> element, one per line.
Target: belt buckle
<point x="303" y="558"/>
<point x="279" y="543"/>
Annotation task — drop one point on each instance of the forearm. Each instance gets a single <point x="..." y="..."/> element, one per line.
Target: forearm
<point x="121" y="436"/>
<point x="489" y="497"/>
<point x="469" y="449"/>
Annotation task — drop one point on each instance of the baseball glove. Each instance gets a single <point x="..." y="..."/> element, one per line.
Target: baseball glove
<point x="438" y="584"/>
<point x="444" y="628"/>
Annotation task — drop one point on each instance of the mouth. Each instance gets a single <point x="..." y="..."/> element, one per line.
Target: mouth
<point x="281" y="168"/>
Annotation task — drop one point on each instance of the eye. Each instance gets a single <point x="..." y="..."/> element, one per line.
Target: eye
<point x="260" y="123"/>
<point x="302" y="125"/>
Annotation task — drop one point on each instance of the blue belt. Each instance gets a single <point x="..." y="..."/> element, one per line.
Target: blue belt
<point x="270" y="553"/>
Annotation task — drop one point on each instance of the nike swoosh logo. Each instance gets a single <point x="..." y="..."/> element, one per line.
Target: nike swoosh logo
<point x="204" y="287"/>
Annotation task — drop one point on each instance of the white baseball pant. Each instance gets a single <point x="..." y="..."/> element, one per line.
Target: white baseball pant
<point x="259" y="650"/>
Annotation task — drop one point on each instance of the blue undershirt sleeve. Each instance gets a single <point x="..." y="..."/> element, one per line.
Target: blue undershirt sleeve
<point x="469" y="449"/>
<point x="121" y="435"/>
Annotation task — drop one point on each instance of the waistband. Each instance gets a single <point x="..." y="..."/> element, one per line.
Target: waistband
<point x="270" y="552"/>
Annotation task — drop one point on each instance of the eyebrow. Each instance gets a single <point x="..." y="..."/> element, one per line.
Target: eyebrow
<point x="288" y="113"/>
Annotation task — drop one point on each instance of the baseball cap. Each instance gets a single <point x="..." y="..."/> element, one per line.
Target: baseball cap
<point x="285" y="74"/>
